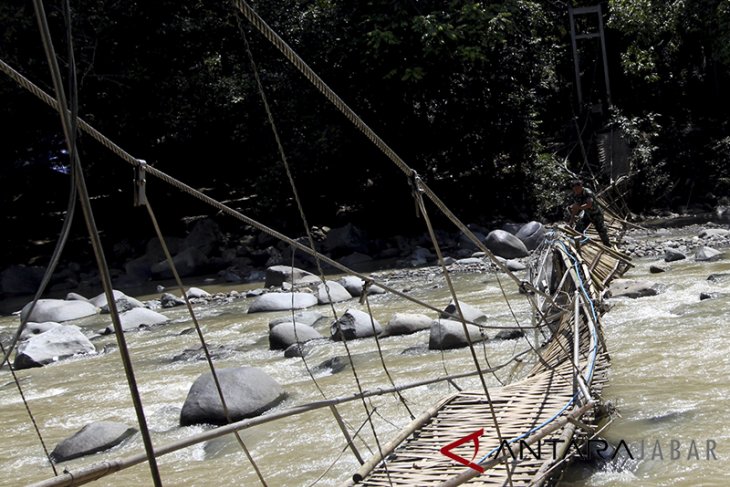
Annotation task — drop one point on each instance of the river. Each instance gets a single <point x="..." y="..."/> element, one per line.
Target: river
<point x="668" y="380"/>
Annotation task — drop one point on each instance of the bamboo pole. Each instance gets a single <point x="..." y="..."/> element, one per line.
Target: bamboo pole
<point x="388" y="448"/>
<point x="97" y="471"/>
<point x="469" y="474"/>
<point x="346" y="434"/>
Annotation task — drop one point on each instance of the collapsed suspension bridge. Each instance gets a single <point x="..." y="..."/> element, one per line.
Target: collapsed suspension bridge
<point x="467" y="437"/>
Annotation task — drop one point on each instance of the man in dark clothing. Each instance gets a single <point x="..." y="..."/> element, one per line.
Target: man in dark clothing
<point x="584" y="200"/>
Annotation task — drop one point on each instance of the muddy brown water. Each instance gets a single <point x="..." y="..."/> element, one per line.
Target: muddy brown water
<point x="669" y="380"/>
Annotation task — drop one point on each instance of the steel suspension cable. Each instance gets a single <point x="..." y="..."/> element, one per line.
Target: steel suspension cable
<point x="424" y="214"/>
<point x="106" y="142"/>
<point x="335" y="411"/>
<point x="94" y="472"/>
<point x="290" y="177"/>
<point x="382" y="358"/>
<point x="68" y="126"/>
<point x="30" y="414"/>
<point x="206" y="351"/>
<point x="125" y="156"/>
<point x="359" y="123"/>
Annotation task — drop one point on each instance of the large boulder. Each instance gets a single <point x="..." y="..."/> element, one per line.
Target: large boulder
<point x="196" y="292"/>
<point x="137" y="317"/>
<point x="100" y="300"/>
<point x="354" y="286"/>
<point x="707" y="254"/>
<point x="284" y="335"/>
<point x="532" y="234"/>
<point x="355" y="324"/>
<point x="282" y="302"/>
<point x="673" y="255"/>
<point x="57" y="310"/>
<point x="406" y="323"/>
<point x="470" y="313"/>
<point x="311" y="318"/>
<point x="248" y="392"/>
<point x="448" y="334"/>
<point x="279" y="274"/>
<point x="90" y="439"/>
<point x="55" y="344"/>
<point x="168" y="300"/>
<point x="628" y="288"/>
<point x="32" y="329"/>
<point x="334" y="292"/>
<point x="515" y="265"/>
<point x="506" y="245"/>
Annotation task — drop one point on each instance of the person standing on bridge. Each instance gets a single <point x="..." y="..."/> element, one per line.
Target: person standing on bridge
<point x="584" y="200"/>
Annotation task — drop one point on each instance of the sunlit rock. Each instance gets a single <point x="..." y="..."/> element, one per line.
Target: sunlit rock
<point x="506" y="245"/>
<point x="285" y="334"/>
<point x="406" y="323"/>
<point x="354" y="324"/>
<point x="55" y="344"/>
<point x="448" y="334"/>
<point x="248" y="392"/>
<point x="57" y="310"/>
<point x="90" y="439"/>
<point x="282" y="301"/>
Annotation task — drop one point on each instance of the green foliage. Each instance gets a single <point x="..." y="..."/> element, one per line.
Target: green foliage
<point x="650" y="176"/>
<point x="477" y="96"/>
<point x="675" y="60"/>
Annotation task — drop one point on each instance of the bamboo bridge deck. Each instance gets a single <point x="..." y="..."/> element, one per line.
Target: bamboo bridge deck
<point x="566" y="380"/>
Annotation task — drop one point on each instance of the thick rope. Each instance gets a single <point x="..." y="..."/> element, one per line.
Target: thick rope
<point x="337" y="458"/>
<point x="125" y="156"/>
<point x="350" y="114"/>
<point x="206" y="351"/>
<point x="185" y="188"/>
<point x="335" y="411"/>
<point x="424" y="214"/>
<point x="94" y="472"/>
<point x="68" y="127"/>
<point x="30" y="414"/>
<point x="307" y="229"/>
<point x="382" y="358"/>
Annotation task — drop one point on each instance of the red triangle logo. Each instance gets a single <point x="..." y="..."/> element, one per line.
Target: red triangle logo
<point x="472" y="437"/>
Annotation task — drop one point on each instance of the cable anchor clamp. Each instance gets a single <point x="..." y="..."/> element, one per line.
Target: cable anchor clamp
<point x="414" y="181"/>
<point x="140" y="183"/>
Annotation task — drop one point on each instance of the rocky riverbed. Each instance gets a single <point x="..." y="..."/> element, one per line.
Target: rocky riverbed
<point x="250" y="324"/>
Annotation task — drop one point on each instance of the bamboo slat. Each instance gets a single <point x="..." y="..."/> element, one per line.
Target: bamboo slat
<point x="522" y="409"/>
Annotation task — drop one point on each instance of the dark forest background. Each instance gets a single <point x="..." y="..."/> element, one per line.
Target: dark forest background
<point x="479" y="97"/>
